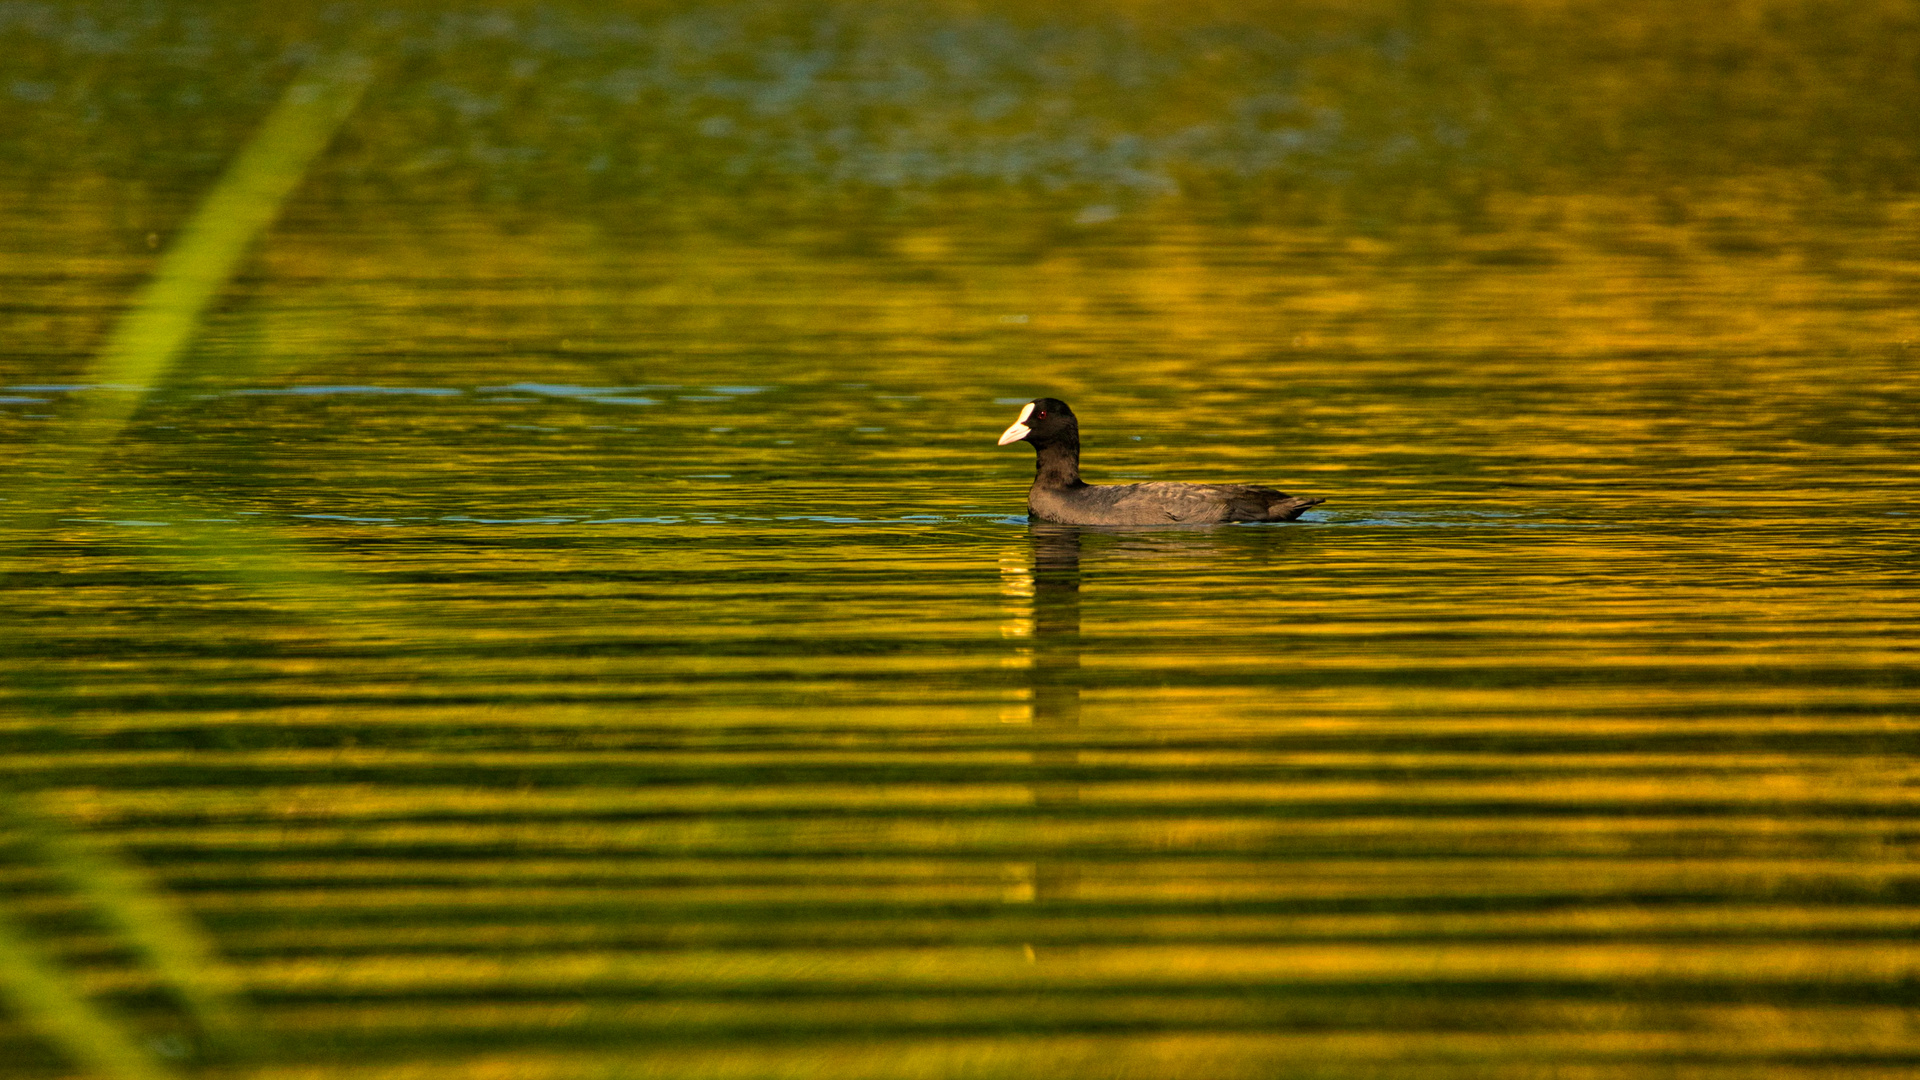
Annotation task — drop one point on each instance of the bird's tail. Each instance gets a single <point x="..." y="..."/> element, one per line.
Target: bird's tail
<point x="1290" y="507"/>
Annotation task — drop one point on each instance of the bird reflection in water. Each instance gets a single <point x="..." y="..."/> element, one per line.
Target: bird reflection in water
<point x="1041" y="579"/>
<point x="1047" y="578"/>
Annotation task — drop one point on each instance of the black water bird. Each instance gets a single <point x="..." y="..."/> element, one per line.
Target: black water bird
<point x="1059" y="495"/>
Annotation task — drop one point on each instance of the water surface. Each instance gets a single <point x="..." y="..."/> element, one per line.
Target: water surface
<point x="565" y="614"/>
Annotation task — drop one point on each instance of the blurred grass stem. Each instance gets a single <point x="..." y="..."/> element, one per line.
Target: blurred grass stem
<point x="150" y="338"/>
<point x="139" y="354"/>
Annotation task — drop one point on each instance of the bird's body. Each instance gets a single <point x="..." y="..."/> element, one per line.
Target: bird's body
<point x="1162" y="504"/>
<point x="1060" y="496"/>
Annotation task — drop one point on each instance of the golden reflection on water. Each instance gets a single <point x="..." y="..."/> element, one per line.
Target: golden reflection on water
<point x="593" y="636"/>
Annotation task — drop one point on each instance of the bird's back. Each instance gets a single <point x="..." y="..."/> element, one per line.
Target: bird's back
<point x="1165" y="503"/>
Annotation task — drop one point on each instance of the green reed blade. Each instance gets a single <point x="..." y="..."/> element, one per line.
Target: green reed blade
<point x="141" y="910"/>
<point x="150" y="337"/>
<point x="273" y="568"/>
<point x="238" y="209"/>
<point x="137" y="357"/>
<point x="44" y="998"/>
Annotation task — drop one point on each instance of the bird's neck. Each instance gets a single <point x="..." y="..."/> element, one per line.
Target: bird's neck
<point x="1058" y="464"/>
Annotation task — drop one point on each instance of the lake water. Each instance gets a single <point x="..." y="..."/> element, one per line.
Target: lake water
<point x="564" y="615"/>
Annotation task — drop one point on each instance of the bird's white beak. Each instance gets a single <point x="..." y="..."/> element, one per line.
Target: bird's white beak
<point x="1019" y="430"/>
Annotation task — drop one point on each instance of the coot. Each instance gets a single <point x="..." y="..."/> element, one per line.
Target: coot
<point x="1059" y="495"/>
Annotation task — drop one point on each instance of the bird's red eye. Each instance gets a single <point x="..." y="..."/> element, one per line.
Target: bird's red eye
<point x="1040" y="416"/>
